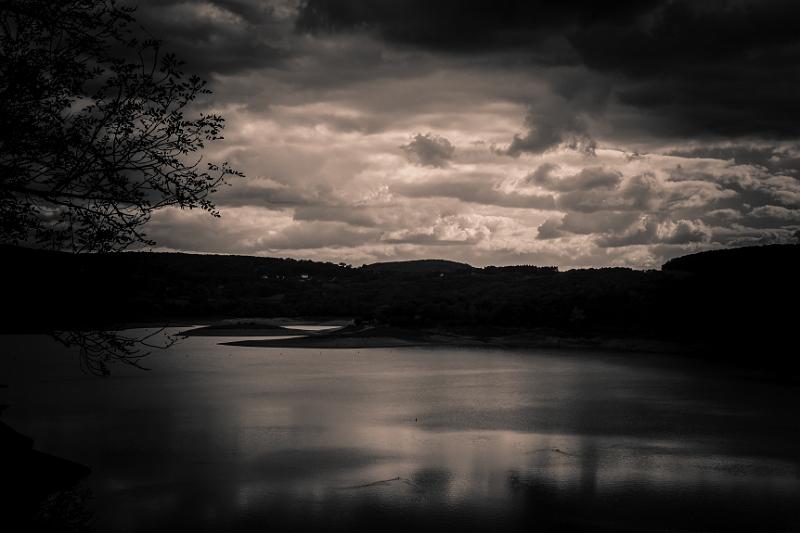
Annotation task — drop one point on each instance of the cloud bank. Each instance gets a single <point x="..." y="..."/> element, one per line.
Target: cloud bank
<point x="573" y="133"/>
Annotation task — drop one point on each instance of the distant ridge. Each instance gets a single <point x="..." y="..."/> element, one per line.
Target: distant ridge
<point x="752" y="259"/>
<point x="728" y="304"/>
<point x="419" y="266"/>
<point x="29" y="260"/>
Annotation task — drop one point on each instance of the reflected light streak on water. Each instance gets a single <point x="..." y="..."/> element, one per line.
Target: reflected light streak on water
<point x="221" y="437"/>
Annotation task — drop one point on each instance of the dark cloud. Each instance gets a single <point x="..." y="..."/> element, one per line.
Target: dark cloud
<point x="776" y="212"/>
<point x="705" y="68"/>
<point x="217" y="36"/>
<point x="600" y="222"/>
<point x="687" y="231"/>
<point x="349" y="214"/>
<point x="552" y="126"/>
<point x="319" y="95"/>
<point x="639" y="193"/>
<point x="588" y="178"/>
<point x="649" y="231"/>
<point x="461" y="26"/>
<point x="429" y="239"/>
<point x="751" y="236"/>
<point x="743" y="188"/>
<point x="550" y="229"/>
<point x="543" y="174"/>
<point x="199" y="233"/>
<point x="644" y="233"/>
<point x="777" y="160"/>
<point x="771" y="216"/>
<point x="429" y="150"/>
<point x="480" y="191"/>
<point x="694" y="68"/>
<point x="613" y="227"/>
<point x="268" y="194"/>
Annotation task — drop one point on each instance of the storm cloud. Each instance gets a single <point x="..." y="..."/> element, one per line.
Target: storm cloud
<point x="429" y="150"/>
<point x="574" y="133"/>
<point x="707" y="68"/>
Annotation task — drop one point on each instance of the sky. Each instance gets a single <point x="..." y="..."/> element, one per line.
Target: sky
<point x="568" y="133"/>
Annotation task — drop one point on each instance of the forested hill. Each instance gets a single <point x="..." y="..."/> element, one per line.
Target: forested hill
<point x="741" y="297"/>
<point x="421" y="265"/>
<point x="776" y="258"/>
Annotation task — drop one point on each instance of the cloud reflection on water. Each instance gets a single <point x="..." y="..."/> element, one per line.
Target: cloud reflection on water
<point x="219" y="437"/>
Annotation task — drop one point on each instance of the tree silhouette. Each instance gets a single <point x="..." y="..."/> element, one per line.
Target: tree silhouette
<point x="96" y="133"/>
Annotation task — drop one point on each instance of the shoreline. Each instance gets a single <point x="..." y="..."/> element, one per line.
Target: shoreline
<point x="391" y="337"/>
<point x="706" y="356"/>
<point x="678" y="356"/>
<point x="266" y="327"/>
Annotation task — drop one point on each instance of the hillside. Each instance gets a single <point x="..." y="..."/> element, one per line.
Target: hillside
<point x="419" y="266"/>
<point x="732" y="300"/>
<point x="783" y="258"/>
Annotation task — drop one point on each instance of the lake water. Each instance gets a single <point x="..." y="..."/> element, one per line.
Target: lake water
<point x="222" y="438"/>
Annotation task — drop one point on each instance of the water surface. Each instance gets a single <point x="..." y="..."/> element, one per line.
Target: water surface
<point x="223" y="438"/>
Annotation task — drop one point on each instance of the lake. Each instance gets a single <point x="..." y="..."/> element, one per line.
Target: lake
<point x="223" y="438"/>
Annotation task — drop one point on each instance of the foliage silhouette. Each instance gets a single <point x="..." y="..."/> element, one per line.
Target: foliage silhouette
<point x="96" y="133"/>
<point x="735" y="311"/>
